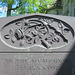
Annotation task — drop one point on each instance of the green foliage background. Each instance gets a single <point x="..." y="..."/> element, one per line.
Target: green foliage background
<point x="26" y="6"/>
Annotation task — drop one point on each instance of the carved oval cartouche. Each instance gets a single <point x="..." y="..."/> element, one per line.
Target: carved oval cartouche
<point x="41" y="31"/>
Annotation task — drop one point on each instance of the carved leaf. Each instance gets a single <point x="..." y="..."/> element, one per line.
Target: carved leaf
<point x="13" y="39"/>
<point x="7" y="36"/>
<point x="18" y="23"/>
<point x="60" y="25"/>
<point x="11" y="32"/>
<point x="66" y="30"/>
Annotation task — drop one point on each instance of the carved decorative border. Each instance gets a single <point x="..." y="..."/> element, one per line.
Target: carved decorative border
<point x="36" y="30"/>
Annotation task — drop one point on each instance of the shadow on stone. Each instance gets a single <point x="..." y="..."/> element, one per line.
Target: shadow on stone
<point x="68" y="66"/>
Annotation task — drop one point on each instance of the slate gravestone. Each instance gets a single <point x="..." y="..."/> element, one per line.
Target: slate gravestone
<point x="37" y="44"/>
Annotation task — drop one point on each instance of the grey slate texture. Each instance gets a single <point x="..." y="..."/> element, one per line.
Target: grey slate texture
<point x="37" y="44"/>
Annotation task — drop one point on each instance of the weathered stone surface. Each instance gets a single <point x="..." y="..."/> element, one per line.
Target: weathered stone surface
<point x="37" y="44"/>
<point x="35" y="64"/>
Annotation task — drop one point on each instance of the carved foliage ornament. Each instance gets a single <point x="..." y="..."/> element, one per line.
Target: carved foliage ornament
<point x="41" y="31"/>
